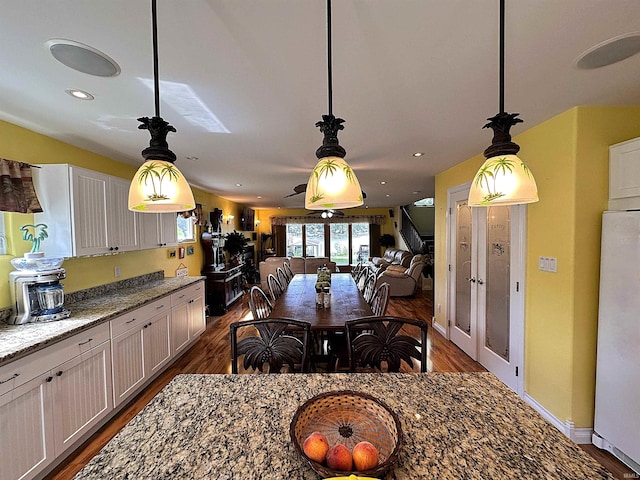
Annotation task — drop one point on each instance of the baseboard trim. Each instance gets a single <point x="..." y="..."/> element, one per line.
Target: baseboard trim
<point x="568" y="429"/>
<point x="439" y="328"/>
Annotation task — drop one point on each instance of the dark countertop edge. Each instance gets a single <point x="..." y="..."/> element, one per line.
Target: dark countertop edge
<point x="162" y="292"/>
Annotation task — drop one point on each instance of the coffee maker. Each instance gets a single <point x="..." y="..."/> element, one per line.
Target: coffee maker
<point x="38" y="296"/>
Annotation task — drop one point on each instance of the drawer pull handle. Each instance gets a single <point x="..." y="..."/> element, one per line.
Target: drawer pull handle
<point x="181" y="296"/>
<point x="49" y="379"/>
<point x="161" y="306"/>
<point x="59" y="374"/>
<point x="132" y="320"/>
<point x="15" y="375"/>
<point x="84" y="343"/>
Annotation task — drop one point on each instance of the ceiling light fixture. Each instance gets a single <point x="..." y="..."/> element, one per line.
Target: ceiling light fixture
<point x="418" y="154"/>
<point x="158" y="186"/>
<point x="332" y="183"/>
<point x="503" y="179"/>
<point x="79" y="94"/>
<point x="327" y="214"/>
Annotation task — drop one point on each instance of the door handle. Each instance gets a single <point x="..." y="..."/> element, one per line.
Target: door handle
<point x="480" y="282"/>
<point x="472" y="279"/>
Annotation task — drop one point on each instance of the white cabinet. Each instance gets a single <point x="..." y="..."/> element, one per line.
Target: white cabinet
<point x="188" y="320"/>
<point x="86" y="212"/>
<point x="140" y="346"/>
<point x="42" y="414"/>
<point x="158" y="230"/>
<point x="624" y="175"/>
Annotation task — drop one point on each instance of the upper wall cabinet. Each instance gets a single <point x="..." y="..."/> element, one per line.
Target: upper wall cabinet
<point x="86" y="212"/>
<point x="158" y="230"/>
<point x="624" y="175"/>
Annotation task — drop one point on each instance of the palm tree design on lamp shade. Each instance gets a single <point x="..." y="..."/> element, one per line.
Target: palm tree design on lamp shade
<point x="327" y="168"/>
<point x="158" y="172"/>
<point x="487" y="178"/>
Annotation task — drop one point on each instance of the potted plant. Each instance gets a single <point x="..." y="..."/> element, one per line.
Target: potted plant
<point x="387" y="240"/>
<point x="235" y="243"/>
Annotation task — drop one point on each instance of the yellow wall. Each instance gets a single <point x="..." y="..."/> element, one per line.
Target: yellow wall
<point x="568" y="155"/>
<point x="23" y="145"/>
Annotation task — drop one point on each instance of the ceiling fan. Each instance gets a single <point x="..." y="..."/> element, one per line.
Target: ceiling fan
<point x="302" y="188"/>
<point x="327" y="213"/>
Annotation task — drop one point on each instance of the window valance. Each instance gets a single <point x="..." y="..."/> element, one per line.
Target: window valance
<point x="370" y="219"/>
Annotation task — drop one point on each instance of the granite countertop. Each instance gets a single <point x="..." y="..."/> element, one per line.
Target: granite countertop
<point x="456" y="425"/>
<point x="88" y="308"/>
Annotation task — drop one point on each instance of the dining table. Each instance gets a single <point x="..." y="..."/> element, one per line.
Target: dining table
<point x="298" y="301"/>
<point x="236" y="427"/>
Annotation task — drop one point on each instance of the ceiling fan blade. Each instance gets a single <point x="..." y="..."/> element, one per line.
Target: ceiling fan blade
<point x="292" y="194"/>
<point x="298" y="189"/>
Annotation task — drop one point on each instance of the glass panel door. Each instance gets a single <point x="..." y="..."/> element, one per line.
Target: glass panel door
<point x="360" y="242"/>
<point x="339" y="241"/>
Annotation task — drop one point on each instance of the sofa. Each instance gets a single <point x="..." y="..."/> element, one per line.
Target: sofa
<point x="403" y="281"/>
<point x="391" y="256"/>
<point x="297" y="264"/>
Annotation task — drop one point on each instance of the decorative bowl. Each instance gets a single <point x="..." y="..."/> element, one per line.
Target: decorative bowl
<point x="349" y="417"/>
<point x="39" y="264"/>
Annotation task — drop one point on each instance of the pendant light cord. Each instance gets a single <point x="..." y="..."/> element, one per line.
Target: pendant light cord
<point x="156" y="82"/>
<point x="502" y="9"/>
<point x="330" y="85"/>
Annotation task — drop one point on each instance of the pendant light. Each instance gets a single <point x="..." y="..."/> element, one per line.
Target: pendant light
<point x="332" y="183"/>
<point x="503" y="179"/>
<point x="158" y="186"/>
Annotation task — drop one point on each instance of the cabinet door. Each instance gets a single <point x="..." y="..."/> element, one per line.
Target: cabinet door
<point x="148" y="230"/>
<point x="82" y="395"/>
<point x="157" y="345"/>
<point x="197" y="317"/>
<point x="128" y="364"/>
<point x="89" y="192"/>
<point x="26" y="426"/>
<point x="123" y="223"/>
<point x="179" y="327"/>
<point x="168" y="226"/>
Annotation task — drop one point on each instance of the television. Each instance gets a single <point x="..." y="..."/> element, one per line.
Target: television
<point x="247" y="220"/>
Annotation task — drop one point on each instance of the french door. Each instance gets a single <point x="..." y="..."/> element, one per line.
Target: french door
<point x="486" y="283"/>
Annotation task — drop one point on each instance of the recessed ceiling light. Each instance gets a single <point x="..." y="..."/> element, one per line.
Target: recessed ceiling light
<point x="259" y="196"/>
<point x="415" y="192"/>
<point x="82" y="58"/>
<point x="191" y="158"/>
<point x="388" y="195"/>
<point x="383" y="182"/>
<point x="238" y="184"/>
<point x="610" y="51"/>
<point x="418" y="154"/>
<point x="82" y="95"/>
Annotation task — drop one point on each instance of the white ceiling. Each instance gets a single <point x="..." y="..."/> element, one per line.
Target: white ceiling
<point x="408" y="76"/>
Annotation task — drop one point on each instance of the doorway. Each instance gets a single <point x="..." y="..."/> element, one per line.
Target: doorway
<point x="485" y="253"/>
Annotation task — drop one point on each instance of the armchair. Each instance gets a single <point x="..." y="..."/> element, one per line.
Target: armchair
<point x="403" y="281"/>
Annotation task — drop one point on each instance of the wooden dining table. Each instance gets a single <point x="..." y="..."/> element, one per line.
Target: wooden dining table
<point x="299" y="302"/>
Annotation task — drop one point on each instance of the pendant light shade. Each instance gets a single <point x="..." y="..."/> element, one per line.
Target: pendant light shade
<point x="158" y="186"/>
<point x="332" y="183"/>
<point x="503" y="179"/>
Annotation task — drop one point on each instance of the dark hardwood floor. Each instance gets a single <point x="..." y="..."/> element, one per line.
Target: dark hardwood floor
<point x="211" y="354"/>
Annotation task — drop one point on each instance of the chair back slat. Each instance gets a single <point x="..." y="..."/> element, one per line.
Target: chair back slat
<point x="372" y="341"/>
<point x="275" y="288"/>
<point x="282" y="278"/>
<point x="279" y="342"/>
<point x="259" y="303"/>
<point x="380" y="299"/>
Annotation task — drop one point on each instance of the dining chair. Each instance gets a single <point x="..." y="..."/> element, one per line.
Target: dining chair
<point x="282" y="277"/>
<point x="355" y="271"/>
<point x="379" y="299"/>
<point x="259" y="303"/>
<point x="383" y="341"/>
<point x="287" y="270"/>
<point x="279" y="343"/>
<point x="275" y="288"/>
<point x="361" y="278"/>
<point x="369" y="286"/>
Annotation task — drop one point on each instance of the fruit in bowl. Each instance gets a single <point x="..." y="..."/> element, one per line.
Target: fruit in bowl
<point x="339" y="458"/>
<point x="316" y="446"/>
<point x="365" y="456"/>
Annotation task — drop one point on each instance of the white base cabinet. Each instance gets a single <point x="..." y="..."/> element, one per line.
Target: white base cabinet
<point x="43" y="415"/>
<point x="54" y="398"/>
<point x="141" y="347"/>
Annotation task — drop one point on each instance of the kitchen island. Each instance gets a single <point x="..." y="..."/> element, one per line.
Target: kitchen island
<point x="456" y="425"/>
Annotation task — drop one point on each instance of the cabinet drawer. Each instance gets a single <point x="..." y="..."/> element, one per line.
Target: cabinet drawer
<point x="187" y="293"/>
<point x="137" y="317"/>
<point x="26" y="368"/>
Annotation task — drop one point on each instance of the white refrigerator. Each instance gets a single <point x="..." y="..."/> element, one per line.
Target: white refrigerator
<point x="617" y="408"/>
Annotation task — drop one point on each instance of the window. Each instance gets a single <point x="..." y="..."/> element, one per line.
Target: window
<point x="348" y="242"/>
<point x="186" y="229"/>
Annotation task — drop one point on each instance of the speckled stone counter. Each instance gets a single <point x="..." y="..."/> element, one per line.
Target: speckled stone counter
<point x="88" y="308"/>
<point x="456" y="425"/>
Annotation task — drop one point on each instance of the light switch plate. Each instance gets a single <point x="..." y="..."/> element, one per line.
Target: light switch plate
<point x="548" y="264"/>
